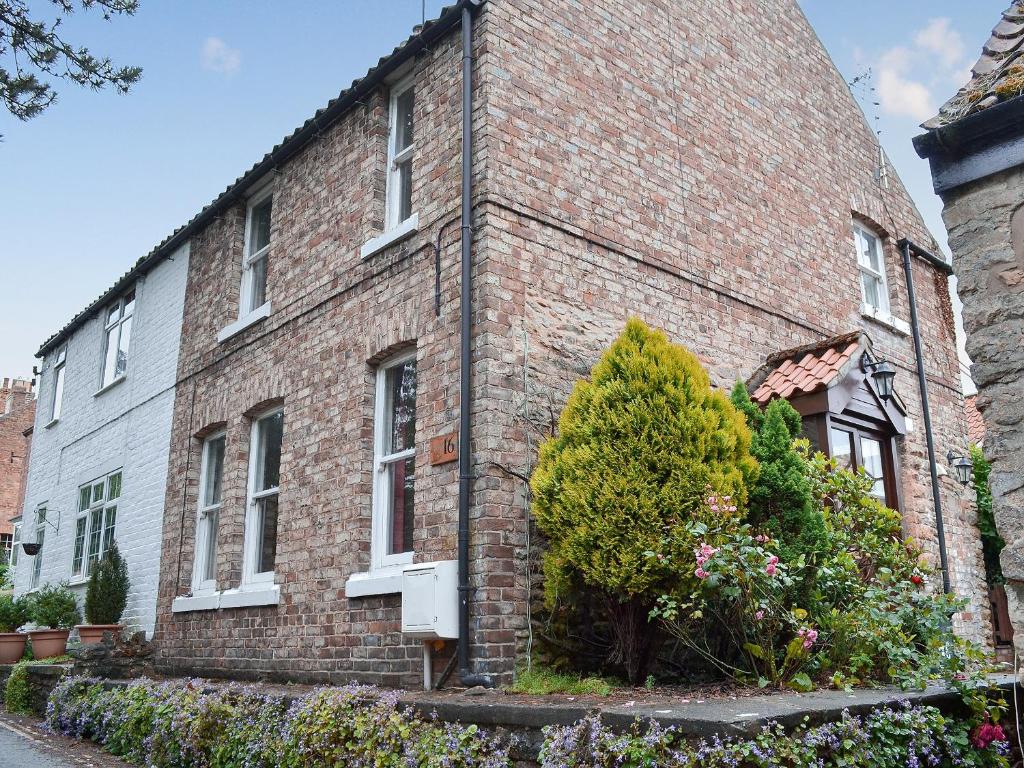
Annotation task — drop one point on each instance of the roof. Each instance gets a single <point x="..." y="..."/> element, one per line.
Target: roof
<point x="807" y="369"/>
<point x="429" y="33"/>
<point x="975" y="424"/>
<point x="997" y="76"/>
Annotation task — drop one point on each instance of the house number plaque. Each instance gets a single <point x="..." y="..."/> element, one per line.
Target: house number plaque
<point x="444" y="448"/>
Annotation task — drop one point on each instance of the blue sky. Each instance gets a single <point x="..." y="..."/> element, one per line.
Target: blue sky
<point x="99" y="179"/>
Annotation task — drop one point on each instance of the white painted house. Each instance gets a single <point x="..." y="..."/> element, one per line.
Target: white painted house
<point x="98" y="466"/>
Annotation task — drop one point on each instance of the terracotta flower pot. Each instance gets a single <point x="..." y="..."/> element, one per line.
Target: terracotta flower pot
<point x="47" y="643"/>
<point x="93" y="633"/>
<point x="12" y="647"/>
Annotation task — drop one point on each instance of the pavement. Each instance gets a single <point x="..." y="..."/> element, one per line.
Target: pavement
<point x="24" y="744"/>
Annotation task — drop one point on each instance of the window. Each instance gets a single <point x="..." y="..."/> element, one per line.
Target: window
<point x="94" y="525"/>
<point x="58" y="382"/>
<point x="37" y="559"/>
<point x="212" y="469"/>
<point x="855" y="448"/>
<point x="871" y="263"/>
<point x="401" y="148"/>
<point x="256" y="251"/>
<point x="15" y="544"/>
<point x="394" y="462"/>
<point x="5" y="548"/>
<point x="262" y="507"/>
<point x="117" y="333"/>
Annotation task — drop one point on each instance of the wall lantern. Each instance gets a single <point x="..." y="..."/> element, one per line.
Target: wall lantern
<point x="883" y="372"/>
<point x="963" y="467"/>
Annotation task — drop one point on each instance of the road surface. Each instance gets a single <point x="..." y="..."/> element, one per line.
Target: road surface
<point x="23" y="744"/>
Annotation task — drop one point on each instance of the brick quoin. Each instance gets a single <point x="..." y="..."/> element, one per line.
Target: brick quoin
<point x="647" y="158"/>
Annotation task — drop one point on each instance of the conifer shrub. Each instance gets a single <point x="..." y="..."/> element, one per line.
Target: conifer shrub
<point x="640" y="445"/>
<point x="107" y="593"/>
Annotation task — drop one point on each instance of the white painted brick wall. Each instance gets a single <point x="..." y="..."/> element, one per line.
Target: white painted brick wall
<point x="128" y="426"/>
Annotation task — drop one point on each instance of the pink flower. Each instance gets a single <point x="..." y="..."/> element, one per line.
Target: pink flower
<point x="985" y="734"/>
<point x="761" y="539"/>
<point x="759" y="615"/>
<point x="771" y="570"/>
<point x="810" y="636"/>
<point x="701" y="560"/>
<point x="701" y="574"/>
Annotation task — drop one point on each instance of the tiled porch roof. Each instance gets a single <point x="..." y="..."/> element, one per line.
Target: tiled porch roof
<point x="807" y="369"/>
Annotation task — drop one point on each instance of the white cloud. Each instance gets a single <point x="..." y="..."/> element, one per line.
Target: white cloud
<point x="937" y="38"/>
<point x="218" y="56"/>
<point x="897" y="92"/>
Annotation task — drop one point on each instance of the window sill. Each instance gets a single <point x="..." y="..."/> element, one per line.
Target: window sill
<point x="882" y="317"/>
<point x="381" y="582"/>
<point x="110" y="386"/>
<point x="377" y="244"/>
<point x="78" y="581"/>
<point x="209" y="602"/>
<point x="258" y="314"/>
<point x="246" y="597"/>
<point x="53" y="422"/>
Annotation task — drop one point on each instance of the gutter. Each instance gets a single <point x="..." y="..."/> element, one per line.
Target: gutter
<point x="907" y="247"/>
<point x="466" y="675"/>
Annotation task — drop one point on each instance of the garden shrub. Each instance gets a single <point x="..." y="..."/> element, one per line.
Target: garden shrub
<point x="54" y="607"/>
<point x="886" y="738"/>
<point x="991" y="542"/>
<point x="639" y="445"/>
<point x="14" y="611"/>
<point x="17" y="692"/>
<point x="107" y="592"/>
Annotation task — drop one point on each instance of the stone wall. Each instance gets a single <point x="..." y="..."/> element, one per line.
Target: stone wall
<point x="986" y="234"/>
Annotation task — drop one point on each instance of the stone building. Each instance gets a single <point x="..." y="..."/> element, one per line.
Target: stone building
<point x="628" y="158"/>
<point x="975" y="146"/>
<point x="17" y="409"/>
<point x="102" y="429"/>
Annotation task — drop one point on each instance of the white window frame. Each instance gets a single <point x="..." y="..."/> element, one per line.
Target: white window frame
<point x="118" y="323"/>
<point x="860" y="231"/>
<point x="81" y="570"/>
<point x="380" y="529"/>
<point x="204" y="525"/>
<point x="57" y="396"/>
<point x="15" y="544"/>
<point x="245" y="305"/>
<point x="250" y="578"/>
<point x="37" y="558"/>
<point x="393" y="196"/>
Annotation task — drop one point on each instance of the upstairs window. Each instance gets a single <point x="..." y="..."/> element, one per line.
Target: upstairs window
<point x="37" y="558"/>
<point x="871" y="263"/>
<point x="210" y="488"/>
<point x="401" y="149"/>
<point x="57" y="400"/>
<point x="262" y="508"/>
<point x="394" y="490"/>
<point x="94" y="524"/>
<point x="117" y="334"/>
<point x="15" y="544"/>
<point x="256" y="252"/>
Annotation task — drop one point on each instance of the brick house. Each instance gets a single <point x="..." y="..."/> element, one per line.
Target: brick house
<point x="100" y="440"/>
<point x="654" y="159"/>
<point x="17" y="409"/>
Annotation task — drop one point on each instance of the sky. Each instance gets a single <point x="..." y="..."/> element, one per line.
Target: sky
<point x="99" y="179"/>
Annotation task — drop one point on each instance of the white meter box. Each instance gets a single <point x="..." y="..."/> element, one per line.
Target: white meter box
<point x="430" y="599"/>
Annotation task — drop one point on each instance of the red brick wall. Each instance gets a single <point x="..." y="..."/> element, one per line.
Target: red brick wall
<point x="14" y="446"/>
<point x="694" y="163"/>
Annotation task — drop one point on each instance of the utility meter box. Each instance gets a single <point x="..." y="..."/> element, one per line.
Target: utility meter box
<point x="430" y="600"/>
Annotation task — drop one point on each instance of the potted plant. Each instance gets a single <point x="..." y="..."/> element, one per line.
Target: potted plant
<point x="13" y="613"/>
<point x="54" y="611"/>
<point x="105" y="597"/>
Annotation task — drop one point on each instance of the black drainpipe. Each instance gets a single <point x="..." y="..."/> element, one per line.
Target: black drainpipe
<point x="466" y="675"/>
<point x="906" y="246"/>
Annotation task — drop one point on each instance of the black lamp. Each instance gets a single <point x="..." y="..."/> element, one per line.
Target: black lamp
<point x="883" y="372"/>
<point x="963" y="467"/>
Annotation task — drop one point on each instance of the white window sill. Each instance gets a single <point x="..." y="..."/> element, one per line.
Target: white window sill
<point x="53" y="422"/>
<point x="884" y="318"/>
<point x="258" y="314"/>
<point x="381" y="582"/>
<point x="377" y="244"/>
<point x="250" y="596"/>
<point x="209" y="602"/>
<point x="78" y="581"/>
<point x="110" y="386"/>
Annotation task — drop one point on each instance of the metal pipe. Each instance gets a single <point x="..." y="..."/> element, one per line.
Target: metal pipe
<point x="465" y="361"/>
<point x="906" y="246"/>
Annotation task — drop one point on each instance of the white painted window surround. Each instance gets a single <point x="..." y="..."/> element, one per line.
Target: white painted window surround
<point x="117" y="333"/>
<point x="95" y="522"/>
<point x="377" y="244"/>
<point x="871" y="265"/>
<point x="256" y="250"/>
<point x="204" y="571"/>
<point x="261" y="312"/>
<point x="230" y="598"/>
<point x="57" y="397"/>
<point x="261" y="509"/>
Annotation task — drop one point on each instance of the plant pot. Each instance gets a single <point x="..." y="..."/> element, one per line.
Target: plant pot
<point x="12" y="647"/>
<point x="47" y="643"/>
<point x="93" y="633"/>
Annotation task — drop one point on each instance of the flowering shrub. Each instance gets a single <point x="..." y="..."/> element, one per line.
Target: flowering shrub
<point x="902" y="737"/>
<point x="182" y="725"/>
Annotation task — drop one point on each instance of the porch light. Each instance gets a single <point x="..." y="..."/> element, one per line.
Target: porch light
<point x="883" y="372"/>
<point x="963" y="467"/>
